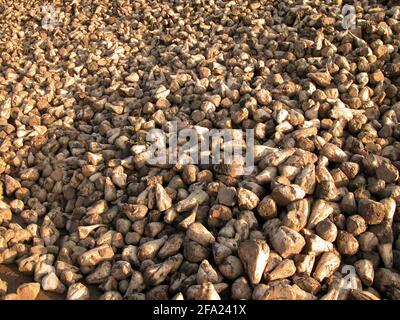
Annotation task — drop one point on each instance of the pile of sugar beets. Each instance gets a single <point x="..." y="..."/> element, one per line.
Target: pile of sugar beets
<point x="83" y="84"/>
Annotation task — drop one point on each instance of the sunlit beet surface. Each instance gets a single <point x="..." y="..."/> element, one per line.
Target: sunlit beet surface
<point x="233" y="150"/>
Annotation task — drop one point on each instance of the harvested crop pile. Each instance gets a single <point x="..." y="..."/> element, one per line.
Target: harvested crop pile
<point x="82" y="83"/>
